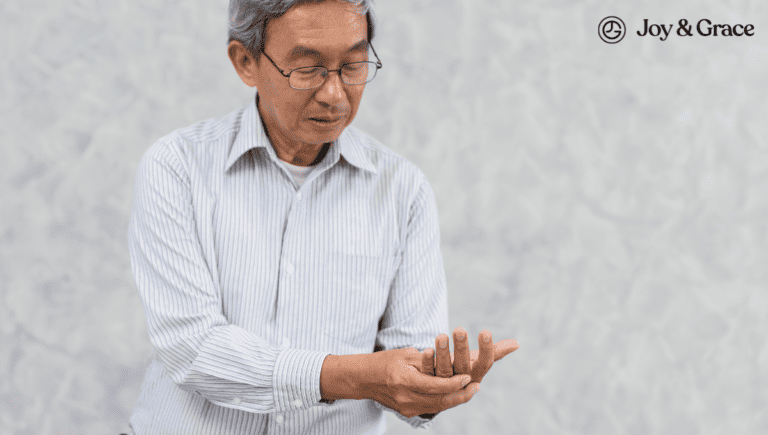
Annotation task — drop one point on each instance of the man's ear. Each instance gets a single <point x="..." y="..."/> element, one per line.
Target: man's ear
<point x="244" y="62"/>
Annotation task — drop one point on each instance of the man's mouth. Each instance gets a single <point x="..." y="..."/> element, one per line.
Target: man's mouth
<point x="328" y="124"/>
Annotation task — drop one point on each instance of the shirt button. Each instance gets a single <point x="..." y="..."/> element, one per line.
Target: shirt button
<point x="297" y="403"/>
<point x="298" y="196"/>
<point x="236" y="400"/>
<point x="286" y="342"/>
<point x="279" y="419"/>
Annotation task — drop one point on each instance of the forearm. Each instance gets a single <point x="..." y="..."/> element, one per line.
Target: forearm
<point x="234" y="368"/>
<point x="345" y="377"/>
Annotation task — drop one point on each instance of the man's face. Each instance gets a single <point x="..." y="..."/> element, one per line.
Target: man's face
<point x="330" y="34"/>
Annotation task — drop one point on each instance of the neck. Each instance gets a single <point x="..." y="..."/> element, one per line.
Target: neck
<point x="293" y="152"/>
<point x="299" y="161"/>
<point x="304" y="156"/>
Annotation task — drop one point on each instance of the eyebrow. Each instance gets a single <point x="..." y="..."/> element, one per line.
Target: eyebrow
<point x="301" y="51"/>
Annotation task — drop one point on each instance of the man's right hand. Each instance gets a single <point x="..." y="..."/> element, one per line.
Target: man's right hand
<point x="403" y="388"/>
<point x="392" y="378"/>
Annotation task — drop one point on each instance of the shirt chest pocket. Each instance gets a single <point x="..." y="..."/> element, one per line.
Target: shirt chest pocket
<point x="355" y="293"/>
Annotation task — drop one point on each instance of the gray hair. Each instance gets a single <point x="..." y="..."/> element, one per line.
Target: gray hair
<point x="248" y="19"/>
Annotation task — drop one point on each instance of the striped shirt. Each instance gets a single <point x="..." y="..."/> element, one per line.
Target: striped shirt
<point x="249" y="282"/>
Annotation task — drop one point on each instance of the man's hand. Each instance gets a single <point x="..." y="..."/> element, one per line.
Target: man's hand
<point x="398" y="384"/>
<point x="392" y="378"/>
<point x="476" y="363"/>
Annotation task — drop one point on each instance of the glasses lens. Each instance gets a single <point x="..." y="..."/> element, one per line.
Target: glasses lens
<point x="307" y="78"/>
<point x="311" y="77"/>
<point x="358" y="73"/>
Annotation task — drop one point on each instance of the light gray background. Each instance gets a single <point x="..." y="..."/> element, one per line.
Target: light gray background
<point x="603" y="204"/>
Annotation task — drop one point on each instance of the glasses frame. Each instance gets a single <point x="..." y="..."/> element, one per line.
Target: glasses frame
<point x="377" y="64"/>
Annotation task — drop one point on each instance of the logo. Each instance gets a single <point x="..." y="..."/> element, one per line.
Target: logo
<point x="611" y="30"/>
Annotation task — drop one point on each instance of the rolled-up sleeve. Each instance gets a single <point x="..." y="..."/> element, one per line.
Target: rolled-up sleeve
<point x="196" y="344"/>
<point x="417" y="309"/>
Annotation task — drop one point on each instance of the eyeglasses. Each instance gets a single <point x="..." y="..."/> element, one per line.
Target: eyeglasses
<point x="310" y="77"/>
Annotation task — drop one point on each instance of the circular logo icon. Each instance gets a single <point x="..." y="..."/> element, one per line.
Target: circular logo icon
<point x="611" y="30"/>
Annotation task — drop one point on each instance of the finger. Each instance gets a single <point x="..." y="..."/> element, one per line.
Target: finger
<point x="460" y="351"/>
<point x="459" y="397"/>
<point x="428" y="362"/>
<point x="443" y="366"/>
<point x="503" y="348"/>
<point x="426" y="384"/>
<point x="485" y="357"/>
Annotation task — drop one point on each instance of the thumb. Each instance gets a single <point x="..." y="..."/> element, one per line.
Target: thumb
<point x="438" y="385"/>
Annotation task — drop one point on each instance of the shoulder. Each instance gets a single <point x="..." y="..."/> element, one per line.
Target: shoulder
<point x="206" y="140"/>
<point x="403" y="178"/>
<point x="387" y="162"/>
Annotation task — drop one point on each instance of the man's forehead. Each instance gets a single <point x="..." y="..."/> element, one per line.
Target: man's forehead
<point x="325" y="13"/>
<point x="333" y="24"/>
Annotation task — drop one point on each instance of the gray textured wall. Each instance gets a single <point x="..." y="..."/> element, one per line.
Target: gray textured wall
<point x="603" y="204"/>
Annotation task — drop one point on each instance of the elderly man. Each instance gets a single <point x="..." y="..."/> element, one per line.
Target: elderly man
<point x="288" y="264"/>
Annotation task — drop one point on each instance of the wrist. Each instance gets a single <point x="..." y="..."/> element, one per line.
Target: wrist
<point x="343" y="377"/>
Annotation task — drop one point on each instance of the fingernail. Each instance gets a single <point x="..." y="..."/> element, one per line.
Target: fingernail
<point x="464" y="382"/>
<point x="477" y="388"/>
<point x="487" y="338"/>
<point x="443" y="344"/>
<point x="460" y="336"/>
<point x="515" y="343"/>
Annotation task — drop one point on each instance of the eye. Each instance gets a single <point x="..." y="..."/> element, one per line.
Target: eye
<point x="308" y="71"/>
<point x="353" y="67"/>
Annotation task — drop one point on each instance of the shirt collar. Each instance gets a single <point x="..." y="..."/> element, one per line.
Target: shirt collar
<point x="252" y="135"/>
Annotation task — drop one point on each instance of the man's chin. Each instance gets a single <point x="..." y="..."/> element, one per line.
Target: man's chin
<point x="321" y="137"/>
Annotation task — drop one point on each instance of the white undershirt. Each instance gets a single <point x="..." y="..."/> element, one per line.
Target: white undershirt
<point x="298" y="173"/>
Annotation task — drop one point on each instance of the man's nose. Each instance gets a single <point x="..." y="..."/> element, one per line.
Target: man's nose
<point x="332" y="91"/>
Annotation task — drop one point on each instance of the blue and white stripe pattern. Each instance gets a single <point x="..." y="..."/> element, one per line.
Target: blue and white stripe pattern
<point x="248" y="283"/>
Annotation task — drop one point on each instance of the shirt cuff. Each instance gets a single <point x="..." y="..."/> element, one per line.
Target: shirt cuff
<point x="296" y="379"/>
<point x="415" y="422"/>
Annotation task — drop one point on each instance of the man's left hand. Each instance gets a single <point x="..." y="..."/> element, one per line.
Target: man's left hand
<point x="476" y="363"/>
